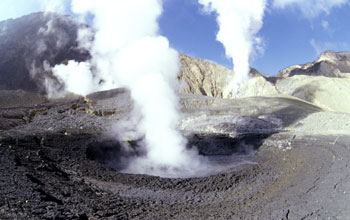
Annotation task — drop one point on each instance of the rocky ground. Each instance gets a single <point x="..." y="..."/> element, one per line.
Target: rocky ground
<point x="55" y="158"/>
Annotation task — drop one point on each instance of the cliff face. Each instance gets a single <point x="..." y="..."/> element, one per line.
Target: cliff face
<point x="203" y="77"/>
<point x="210" y="79"/>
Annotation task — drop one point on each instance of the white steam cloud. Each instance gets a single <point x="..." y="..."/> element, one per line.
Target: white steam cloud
<point x="75" y="76"/>
<point x="239" y="22"/>
<point x="310" y="8"/>
<point x="50" y="38"/>
<point x="127" y="51"/>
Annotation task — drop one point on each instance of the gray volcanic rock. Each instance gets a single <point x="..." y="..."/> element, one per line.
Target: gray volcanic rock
<point x="27" y="42"/>
<point x="20" y="98"/>
<point x="329" y="64"/>
<point x="58" y="164"/>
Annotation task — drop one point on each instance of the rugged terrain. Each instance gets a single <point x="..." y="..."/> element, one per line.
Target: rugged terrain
<point x="31" y="44"/>
<point x="55" y="158"/>
<point x="279" y="150"/>
<point x="324" y="82"/>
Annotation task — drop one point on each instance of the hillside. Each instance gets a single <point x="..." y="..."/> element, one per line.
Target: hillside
<point x="26" y="42"/>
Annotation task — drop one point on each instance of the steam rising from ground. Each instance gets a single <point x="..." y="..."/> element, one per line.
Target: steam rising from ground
<point x="128" y="51"/>
<point x="239" y="22"/>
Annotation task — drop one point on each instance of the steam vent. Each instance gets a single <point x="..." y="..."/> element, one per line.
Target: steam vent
<point x="277" y="149"/>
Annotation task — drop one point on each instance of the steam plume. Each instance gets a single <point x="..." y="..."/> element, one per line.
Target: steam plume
<point x="127" y="51"/>
<point x="239" y="22"/>
<point x="51" y="38"/>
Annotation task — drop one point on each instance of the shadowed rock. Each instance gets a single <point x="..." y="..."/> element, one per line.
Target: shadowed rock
<point x="29" y="41"/>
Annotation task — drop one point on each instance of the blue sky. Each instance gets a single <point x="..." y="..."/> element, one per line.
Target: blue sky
<point x="290" y="35"/>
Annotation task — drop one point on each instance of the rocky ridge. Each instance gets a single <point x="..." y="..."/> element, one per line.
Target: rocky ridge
<point x="324" y="83"/>
<point x="30" y="43"/>
<point x="329" y="64"/>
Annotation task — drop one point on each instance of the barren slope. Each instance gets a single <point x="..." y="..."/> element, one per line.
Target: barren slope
<point x="57" y="163"/>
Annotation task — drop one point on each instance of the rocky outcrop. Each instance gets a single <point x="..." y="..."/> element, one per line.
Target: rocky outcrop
<point x="329" y="64"/>
<point x="206" y="78"/>
<point x="203" y="77"/>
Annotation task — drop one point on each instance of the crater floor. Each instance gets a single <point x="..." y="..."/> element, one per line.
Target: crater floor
<point x="52" y="166"/>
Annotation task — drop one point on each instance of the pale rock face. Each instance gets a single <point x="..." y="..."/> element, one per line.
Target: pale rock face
<point x="203" y="77"/>
<point x="209" y="79"/>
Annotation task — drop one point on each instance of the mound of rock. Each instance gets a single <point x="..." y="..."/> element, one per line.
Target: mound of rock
<point x="330" y="93"/>
<point x="325" y="82"/>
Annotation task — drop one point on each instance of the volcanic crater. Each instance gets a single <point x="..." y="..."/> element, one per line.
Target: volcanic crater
<point x="279" y="150"/>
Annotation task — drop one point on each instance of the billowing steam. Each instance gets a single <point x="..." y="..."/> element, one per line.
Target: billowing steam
<point x="127" y="51"/>
<point x="76" y="77"/>
<point x="239" y="22"/>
